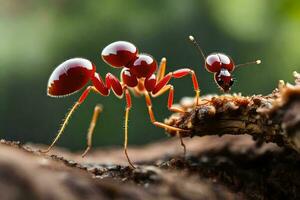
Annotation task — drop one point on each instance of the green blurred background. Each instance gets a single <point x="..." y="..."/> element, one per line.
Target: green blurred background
<point x="36" y="36"/>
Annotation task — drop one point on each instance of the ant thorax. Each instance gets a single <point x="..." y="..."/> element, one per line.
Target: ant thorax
<point x="141" y="85"/>
<point x="224" y="79"/>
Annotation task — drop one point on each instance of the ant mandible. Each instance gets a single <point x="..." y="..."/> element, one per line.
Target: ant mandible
<point x="137" y="75"/>
<point x="221" y="65"/>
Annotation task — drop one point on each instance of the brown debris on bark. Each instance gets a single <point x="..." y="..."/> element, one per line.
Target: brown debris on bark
<point x="272" y="118"/>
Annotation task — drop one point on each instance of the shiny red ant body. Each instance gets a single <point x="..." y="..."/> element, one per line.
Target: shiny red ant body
<point x="138" y="75"/>
<point x="221" y="65"/>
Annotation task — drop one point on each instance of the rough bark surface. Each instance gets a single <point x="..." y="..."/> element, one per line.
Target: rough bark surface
<point x="218" y="166"/>
<point x="227" y="167"/>
<point x="272" y="118"/>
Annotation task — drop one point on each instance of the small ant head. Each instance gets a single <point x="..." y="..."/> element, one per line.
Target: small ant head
<point x="217" y="61"/>
<point x="224" y="79"/>
<point x="119" y="54"/>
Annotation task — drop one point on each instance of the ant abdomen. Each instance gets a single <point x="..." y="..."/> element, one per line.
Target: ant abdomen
<point x="70" y="76"/>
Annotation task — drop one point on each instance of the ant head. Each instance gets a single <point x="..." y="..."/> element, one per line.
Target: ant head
<point x="224" y="79"/>
<point x="70" y="76"/>
<point x="119" y="54"/>
<point x="217" y="61"/>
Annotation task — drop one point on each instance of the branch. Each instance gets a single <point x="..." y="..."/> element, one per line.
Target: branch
<point x="272" y="118"/>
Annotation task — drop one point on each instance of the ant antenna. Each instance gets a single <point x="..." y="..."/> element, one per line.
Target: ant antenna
<point x="257" y="62"/>
<point x="192" y="39"/>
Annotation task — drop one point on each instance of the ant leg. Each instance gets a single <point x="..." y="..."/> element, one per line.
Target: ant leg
<point x="68" y="116"/>
<point x="97" y="110"/>
<point x="170" y="98"/>
<point x="156" y="123"/>
<point x="171" y="108"/>
<point x="128" y="107"/>
<point x="185" y="71"/>
<point x="161" y="85"/>
<point x="113" y="83"/>
<point x="162" y="69"/>
<point x="182" y="144"/>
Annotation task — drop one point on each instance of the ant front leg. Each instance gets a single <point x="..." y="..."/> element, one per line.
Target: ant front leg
<point x="156" y="123"/>
<point x="184" y="72"/>
<point x="170" y="97"/>
<point x="163" y="80"/>
<point x="170" y="107"/>
<point x="81" y="99"/>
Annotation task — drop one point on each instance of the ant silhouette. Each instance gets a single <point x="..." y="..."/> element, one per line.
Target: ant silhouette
<point x="138" y="75"/>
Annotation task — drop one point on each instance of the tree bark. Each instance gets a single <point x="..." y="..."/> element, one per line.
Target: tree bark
<point x="272" y="118"/>
<point x="224" y="163"/>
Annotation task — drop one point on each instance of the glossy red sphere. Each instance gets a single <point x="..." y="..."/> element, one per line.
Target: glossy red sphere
<point x="128" y="78"/>
<point x="150" y="83"/>
<point x="143" y="66"/>
<point x="119" y="54"/>
<point x="70" y="76"/>
<point x="224" y="79"/>
<point x="214" y="62"/>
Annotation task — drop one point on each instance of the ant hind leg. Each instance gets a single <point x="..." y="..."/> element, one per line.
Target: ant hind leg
<point x="68" y="116"/>
<point x="128" y="107"/>
<point x="97" y="110"/>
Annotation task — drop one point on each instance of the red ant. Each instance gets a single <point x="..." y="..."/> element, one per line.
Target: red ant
<point x="137" y="75"/>
<point x="221" y="65"/>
